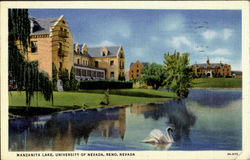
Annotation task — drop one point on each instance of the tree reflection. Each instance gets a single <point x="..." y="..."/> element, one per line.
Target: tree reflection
<point x="177" y="114"/>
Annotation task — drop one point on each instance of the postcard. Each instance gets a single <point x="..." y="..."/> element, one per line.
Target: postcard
<point x="125" y="80"/>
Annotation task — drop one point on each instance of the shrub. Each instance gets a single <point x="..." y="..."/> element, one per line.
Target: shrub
<point x="105" y="85"/>
<point x="106" y="98"/>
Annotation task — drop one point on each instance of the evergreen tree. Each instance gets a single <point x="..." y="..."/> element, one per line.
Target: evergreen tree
<point x="73" y="82"/>
<point x="54" y="76"/>
<point x="179" y="73"/>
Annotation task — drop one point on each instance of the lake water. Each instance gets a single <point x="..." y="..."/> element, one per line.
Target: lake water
<point x="206" y="120"/>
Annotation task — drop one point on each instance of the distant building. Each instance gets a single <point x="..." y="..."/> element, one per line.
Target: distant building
<point x="211" y="69"/>
<point x="99" y="62"/>
<point x="136" y="69"/>
<point x="237" y="74"/>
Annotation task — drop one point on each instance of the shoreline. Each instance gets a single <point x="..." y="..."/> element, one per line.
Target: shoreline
<point x="215" y="88"/>
<point x="91" y="108"/>
<point x="21" y="112"/>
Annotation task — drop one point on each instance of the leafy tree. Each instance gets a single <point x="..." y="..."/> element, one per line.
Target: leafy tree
<point x="73" y="82"/>
<point x="25" y="74"/>
<point x="153" y="75"/>
<point x="179" y="73"/>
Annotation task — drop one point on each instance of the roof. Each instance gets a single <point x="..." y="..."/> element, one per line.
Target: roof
<point x="42" y="26"/>
<point x="236" y="72"/>
<point x="95" y="51"/>
<point x="89" y="67"/>
<point x="143" y="63"/>
<point x="212" y="65"/>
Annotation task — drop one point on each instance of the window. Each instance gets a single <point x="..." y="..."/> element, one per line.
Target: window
<point x="111" y="63"/>
<point x="60" y="49"/>
<point x="84" y="72"/>
<point x="88" y="73"/>
<point x="78" y="61"/>
<point x="96" y="64"/>
<point x="112" y="74"/>
<point x="121" y="55"/>
<point x="103" y="53"/>
<point x="60" y="66"/>
<point x="33" y="47"/>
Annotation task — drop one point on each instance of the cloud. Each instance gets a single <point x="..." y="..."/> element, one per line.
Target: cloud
<point x="172" y="22"/>
<point x="209" y="34"/>
<point x="227" y="33"/>
<point x="220" y="51"/>
<point x="139" y="52"/>
<point x="154" y="38"/>
<point x="178" y="41"/>
<point x="106" y="43"/>
<point x="121" y="27"/>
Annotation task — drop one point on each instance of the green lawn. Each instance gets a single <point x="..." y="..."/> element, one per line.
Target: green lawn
<point x="217" y="83"/>
<point x="86" y="98"/>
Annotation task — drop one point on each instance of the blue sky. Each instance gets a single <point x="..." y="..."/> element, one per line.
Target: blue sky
<point x="147" y="34"/>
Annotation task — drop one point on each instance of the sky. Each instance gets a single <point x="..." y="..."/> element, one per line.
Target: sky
<point x="146" y="35"/>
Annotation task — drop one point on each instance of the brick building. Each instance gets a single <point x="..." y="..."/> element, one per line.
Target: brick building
<point x="212" y="69"/>
<point x="136" y="69"/>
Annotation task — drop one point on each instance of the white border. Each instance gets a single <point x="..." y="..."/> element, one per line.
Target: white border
<point x="242" y="5"/>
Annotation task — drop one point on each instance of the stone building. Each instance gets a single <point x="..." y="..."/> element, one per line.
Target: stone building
<point x="212" y="69"/>
<point x="51" y="42"/>
<point x="99" y="62"/>
<point x="136" y="69"/>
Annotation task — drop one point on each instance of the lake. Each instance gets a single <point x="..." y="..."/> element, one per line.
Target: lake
<point x="206" y="120"/>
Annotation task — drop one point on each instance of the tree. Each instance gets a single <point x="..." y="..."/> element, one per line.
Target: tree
<point x="54" y="76"/>
<point x="73" y="82"/>
<point x="179" y="73"/>
<point x="64" y="76"/>
<point x="24" y="73"/>
<point x="153" y="75"/>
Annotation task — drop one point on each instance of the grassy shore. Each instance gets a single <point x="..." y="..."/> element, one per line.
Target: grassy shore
<point x="217" y="83"/>
<point x="83" y="99"/>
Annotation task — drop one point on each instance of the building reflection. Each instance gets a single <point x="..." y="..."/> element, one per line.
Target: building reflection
<point x="60" y="132"/>
<point x="112" y="128"/>
<point x="142" y="108"/>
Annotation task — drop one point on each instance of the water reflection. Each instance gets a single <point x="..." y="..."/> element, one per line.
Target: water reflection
<point x="195" y="119"/>
<point x="214" y="98"/>
<point x="175" y="111"/>
<point x="60" y="132"/>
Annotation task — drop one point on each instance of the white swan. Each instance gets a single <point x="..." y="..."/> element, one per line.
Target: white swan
<point x="157" y="137"/>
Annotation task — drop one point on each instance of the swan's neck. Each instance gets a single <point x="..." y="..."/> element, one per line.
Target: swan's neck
<point x="169" y="136"/>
